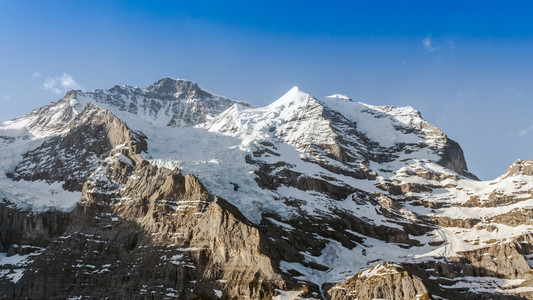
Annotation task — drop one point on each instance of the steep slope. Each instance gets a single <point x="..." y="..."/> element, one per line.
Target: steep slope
<point x="317" y="198"/>
<point x="131" y="216"/>
<point x="166" y="102"/>
<point x="71" y="157"/>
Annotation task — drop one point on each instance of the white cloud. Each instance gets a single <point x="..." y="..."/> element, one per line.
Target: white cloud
<point x="51" y="85"/>
<point x="526" y="130"/>
<point x="36" y="74"/>
<point x="68" y="82"/>
<point x="6" y="97"/>
<point x="428" y="44"/>
<point x="60" y="84"/>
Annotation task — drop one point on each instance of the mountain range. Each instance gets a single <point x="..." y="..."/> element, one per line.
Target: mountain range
<point x="172" y="192"/>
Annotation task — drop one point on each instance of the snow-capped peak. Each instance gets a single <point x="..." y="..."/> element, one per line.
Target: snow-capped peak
<point x="293" y="98"/>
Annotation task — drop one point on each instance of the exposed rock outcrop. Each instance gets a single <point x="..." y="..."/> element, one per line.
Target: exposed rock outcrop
<point x="500" y="260"/>
<point x="72" y="157"/>
<point x="178" y="89"/>
<point x="520" y="167"/>
<point x="20" y="227"/>
<point x="453" y="159"/>
<point x="383" y="281"/>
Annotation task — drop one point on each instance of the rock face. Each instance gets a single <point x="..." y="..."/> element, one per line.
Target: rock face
<point x="383" y="281"/>
<point x="133" y="217"/>
<point x="453" y="159"/>
<point x="178" y="193"/>
<point x="71" y="157"/>
<point x="28" y="228"/>
<point x="178" y="89"/>
<point x="520" y="167"/>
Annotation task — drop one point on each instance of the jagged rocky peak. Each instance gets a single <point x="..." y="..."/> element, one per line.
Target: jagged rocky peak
<point x="352" y="133"/>
<point x="70" y="158"/>
<point x="178" y="89"/>
<point x="409" y="120"/>
<point x="520" y="167"/>
<point x="52" y="119"/>
<point x="167" y="102"/>
<point x="71" y="94"/>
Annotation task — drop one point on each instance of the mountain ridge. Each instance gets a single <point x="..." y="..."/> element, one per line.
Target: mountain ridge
<point x="325" y="188"/>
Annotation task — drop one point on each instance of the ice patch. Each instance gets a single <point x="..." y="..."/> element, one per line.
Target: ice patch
<point x="218" y="293"/>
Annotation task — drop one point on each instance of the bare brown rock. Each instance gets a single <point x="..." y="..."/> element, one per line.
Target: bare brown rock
<point x="500" y="260"/>
<point x="71" y="157"/>
<point x="383" y="281"/>
<point x="450" y="222"/>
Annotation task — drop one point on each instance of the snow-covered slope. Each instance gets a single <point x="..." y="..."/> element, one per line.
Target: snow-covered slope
<point x="335" y="186"/>
<point x="167" y="102"/>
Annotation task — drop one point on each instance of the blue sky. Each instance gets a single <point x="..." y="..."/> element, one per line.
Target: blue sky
<point x="468" y="67"/>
